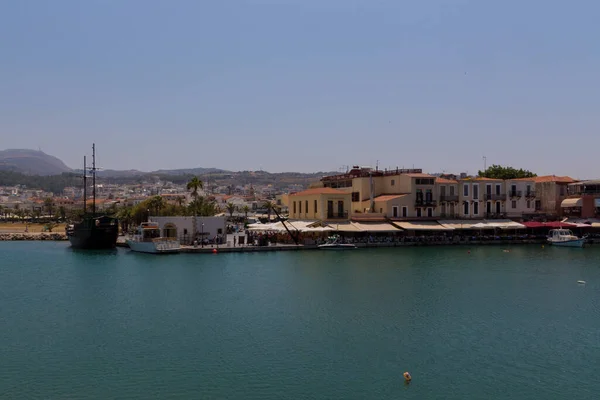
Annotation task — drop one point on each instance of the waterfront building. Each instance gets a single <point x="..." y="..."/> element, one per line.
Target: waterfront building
<point x="325" y="204"/>
<point x="521" y="197"/>
<point x="481" y="198"/>
<point x="550" y="191"/>
<point x="583" y="200"/>
<point x="447" y="189"/>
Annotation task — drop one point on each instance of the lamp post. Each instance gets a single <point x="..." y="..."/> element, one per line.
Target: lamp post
<point x="202" y="234"/>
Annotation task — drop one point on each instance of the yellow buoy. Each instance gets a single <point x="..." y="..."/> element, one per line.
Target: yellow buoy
<point x="407" y="377"/>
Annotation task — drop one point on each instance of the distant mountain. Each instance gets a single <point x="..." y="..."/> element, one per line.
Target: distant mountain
<point x="190" y="171"/>
<point x="31" y="162"/>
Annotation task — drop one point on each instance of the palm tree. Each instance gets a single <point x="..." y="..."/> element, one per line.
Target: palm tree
<point x="270" y="206"/>
<point x="194" y="184"/>
<point x="49" y="204"/>
<point x="230" y="208"/>
<point x="246" y="210"/>
<point x="156" y="203"/>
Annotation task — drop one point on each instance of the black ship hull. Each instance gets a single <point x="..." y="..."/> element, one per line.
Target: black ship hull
<point x="94" y="233"/>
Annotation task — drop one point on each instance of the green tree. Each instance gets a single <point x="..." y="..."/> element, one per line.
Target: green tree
<point x="500" y="172"/>
<point x="231" y="209"/>
<point x="156" y="204"/>
<point x="62" y="213"/>
<point x="270" y="206"/>
<point x="193" y="185"/>
<point x="246" y="210"/>
<point x="49" y="205"/>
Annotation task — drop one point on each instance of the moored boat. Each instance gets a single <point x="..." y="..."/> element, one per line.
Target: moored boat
<point x="149" y="240"/>
<point x="334" y="242"/>
<point x="93" y="231"/>
<point x="564" y="238"/>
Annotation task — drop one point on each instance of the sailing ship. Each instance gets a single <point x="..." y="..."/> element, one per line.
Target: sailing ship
<point x="94" y="230"/>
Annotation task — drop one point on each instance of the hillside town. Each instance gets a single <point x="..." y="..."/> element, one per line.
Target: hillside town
<point x="361" y="194"/>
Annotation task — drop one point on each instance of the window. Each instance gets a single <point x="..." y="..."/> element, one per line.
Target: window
<point x="395" y="212"/>
<point x="294" y="207"/>
<point x="380" y="210"/>
<point x="430" y="212"/>
<point x="466" y="190"/>
<point x="355" y="196"/>
<point x="452" y="190"/>
<point x="562" y="190"/>
<point x="476" y="208"/>
<point x="513" y="188"/>
<point x="425" y="181"/>
<point x="514" y="204"/>
<point x="306" y="206"/>
<point x="528" y="203"/>
<point x="393" y="182"/>
<point x="475" y="191"/>
<point x="316" y="207"/>
<point x="466" y="208"/>
<point x="404" y="212"/>
<point x="528" y="190"/>
<point x="428" y="196"/>
<point x="419" y="212"/>
<point x="497" y="188"/>
<point x="300" y="207"/>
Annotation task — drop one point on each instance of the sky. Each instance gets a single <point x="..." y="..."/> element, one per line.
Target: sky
<point x="306" y="85"/>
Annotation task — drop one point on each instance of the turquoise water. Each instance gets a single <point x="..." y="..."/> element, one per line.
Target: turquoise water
<point x="299" y="325"/>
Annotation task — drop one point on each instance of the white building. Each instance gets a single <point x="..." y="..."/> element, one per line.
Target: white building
<point x="183" y="227"/>
<point x="520" y="197"/>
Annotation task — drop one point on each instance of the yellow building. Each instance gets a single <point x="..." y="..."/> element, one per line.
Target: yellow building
<point x="325" y="204"/>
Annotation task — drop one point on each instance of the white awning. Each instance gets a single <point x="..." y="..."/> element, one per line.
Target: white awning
<point x="504" y="224"/>
<point x="376" y="227"/>
<point x="576" y="202"/>
<point x="421" y="226"/>
<point x="459" y="224"/>
<point x="346" y="227"/>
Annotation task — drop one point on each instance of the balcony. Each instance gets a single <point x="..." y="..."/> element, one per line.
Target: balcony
<point x="515" y="194"/>
<point x="337" y="215"/>
<point x="497" y="197"/>
<point x="448" y="198"/>
<point x="425" y="203"/>
<point x="530" y="194"/>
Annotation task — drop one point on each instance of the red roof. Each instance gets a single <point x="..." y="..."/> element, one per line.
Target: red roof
<point x="323" y="190"/>
<point x="554" y="178"/>
<point x="444" y="180"/>
<point x="551" y="225"/>
<point x="387" y="197"/>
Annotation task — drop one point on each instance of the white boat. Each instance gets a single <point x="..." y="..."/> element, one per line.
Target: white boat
<point x="334" y="242"/>
<point x="564" y="238"/>
<point x="148" y="240"/>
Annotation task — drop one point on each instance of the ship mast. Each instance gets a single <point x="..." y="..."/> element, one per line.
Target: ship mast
<point x="94" y="178"/>
<point x="84" y="185"/>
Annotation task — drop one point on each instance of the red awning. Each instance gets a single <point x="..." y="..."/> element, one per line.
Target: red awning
<point x="551" y="225"/>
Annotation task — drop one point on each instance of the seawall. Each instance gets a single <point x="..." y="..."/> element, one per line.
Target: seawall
<point x="33" y="236"/>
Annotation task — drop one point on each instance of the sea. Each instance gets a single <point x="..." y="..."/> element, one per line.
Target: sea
<point x="466" y="322"/>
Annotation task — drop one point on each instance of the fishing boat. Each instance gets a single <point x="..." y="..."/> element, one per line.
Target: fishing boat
<point x="564" y="238"/>
<point x="334" y="242"/>
<point x="149" y="240"/>
<point x="93" y="230"/>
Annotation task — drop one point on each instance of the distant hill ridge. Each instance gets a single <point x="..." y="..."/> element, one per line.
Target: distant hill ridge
<point x="31" y="162"/>
<point x="35" y="162"/>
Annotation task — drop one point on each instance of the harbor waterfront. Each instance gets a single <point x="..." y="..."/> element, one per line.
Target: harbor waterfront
<point x="476" y="322"/>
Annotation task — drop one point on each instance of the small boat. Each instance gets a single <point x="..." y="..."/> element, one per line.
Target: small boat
<point x="148" y="240"/>
<point x="334" y="242"/>
<point x="564" y="238"/>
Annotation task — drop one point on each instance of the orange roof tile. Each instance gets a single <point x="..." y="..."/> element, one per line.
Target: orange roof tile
<point x="554" y="178"/>
<point x="323" y="190"/>
<point x="480" y="178"/>
<point x="387" y="197"/>
<point x="421" y="175"/>
<point x="444" y="180"/>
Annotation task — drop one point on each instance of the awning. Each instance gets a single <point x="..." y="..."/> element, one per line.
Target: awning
<point x="504" y="224"/>
<point x="376" y="227"/>
<point x="421" y="226"/>
<point x="346" y="227"/>
<point x="550" y="225"/>
<point x="576" y="202"/>
<point x="458" y="224"/>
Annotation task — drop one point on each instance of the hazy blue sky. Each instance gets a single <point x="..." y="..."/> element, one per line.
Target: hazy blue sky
<point x="304" y="85"/>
